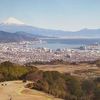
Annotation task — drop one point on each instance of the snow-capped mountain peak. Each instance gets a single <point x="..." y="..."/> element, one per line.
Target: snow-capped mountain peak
<point x="12" y="20"/>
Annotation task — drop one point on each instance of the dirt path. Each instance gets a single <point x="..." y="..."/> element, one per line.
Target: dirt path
<point x="14" y="90"/>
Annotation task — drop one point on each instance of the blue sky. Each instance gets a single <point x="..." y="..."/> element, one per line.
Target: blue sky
<point x="53" y="14"/>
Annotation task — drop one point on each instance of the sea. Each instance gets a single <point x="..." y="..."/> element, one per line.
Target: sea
<point x="66" y="43"/>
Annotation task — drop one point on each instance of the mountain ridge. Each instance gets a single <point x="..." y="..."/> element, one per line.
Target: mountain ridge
<point x="15" y="37"/>
<point x="16" y="27"/>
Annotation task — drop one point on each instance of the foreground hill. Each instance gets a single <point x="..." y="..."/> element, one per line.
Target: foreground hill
<point x="15" y="90"/>
<point x="60" y="85"/>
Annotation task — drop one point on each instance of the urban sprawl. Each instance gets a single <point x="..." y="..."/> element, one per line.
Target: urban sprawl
<point x="23" y="52"/>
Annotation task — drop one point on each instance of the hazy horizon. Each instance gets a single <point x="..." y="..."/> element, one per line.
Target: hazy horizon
<point x="68" y="15"/>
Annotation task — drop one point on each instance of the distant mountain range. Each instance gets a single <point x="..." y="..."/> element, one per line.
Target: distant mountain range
<point x="20" y="31"/>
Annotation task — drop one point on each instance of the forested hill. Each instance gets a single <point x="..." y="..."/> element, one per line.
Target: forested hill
<point x="15" y="37"/>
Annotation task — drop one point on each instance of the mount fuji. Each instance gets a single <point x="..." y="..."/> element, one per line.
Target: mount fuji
<point x="12" y="20"/>
<point x="13" y="25"/>
<point x="12" y="30"/>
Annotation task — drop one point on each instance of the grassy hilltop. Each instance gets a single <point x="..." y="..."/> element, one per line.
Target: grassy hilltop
<point x="61" y="85"/>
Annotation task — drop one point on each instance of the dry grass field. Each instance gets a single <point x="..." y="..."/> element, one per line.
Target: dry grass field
<point x="66" y="68"/>
<point x="78" y="69"/>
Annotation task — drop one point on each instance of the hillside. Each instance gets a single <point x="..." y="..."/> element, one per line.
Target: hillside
<point x="15" y="37"/>
<point x="60" y="85"/>
<point x="15" y="90"/>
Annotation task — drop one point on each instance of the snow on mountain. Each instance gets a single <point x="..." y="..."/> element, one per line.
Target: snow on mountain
<point x="13" y="25"/>
<point x="12" y="20"/>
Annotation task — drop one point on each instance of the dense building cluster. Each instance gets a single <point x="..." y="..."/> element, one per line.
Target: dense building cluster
<point x="24" y="53"/>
